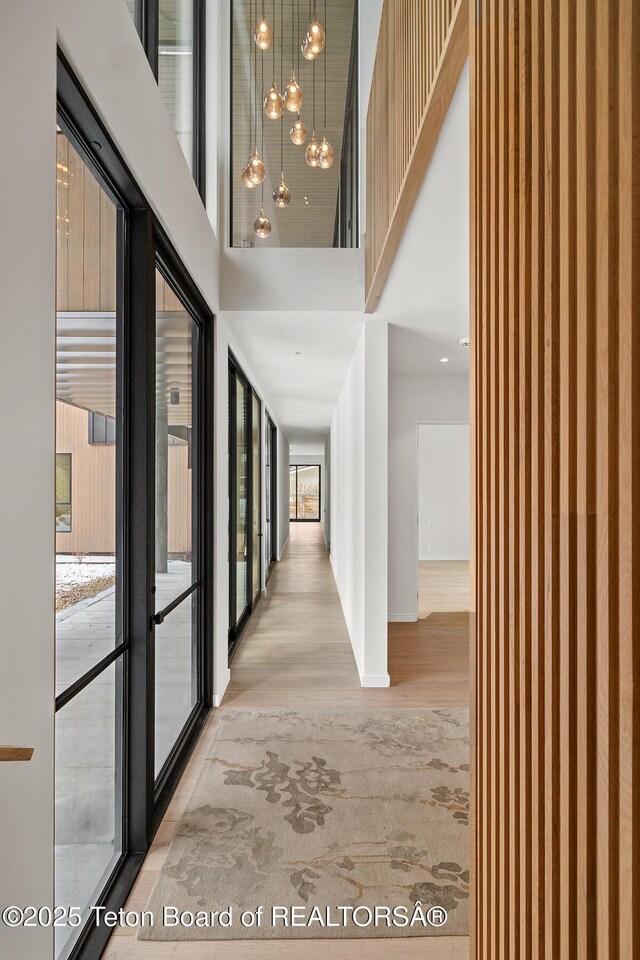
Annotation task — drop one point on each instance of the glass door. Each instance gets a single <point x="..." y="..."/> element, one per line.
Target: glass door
<point x="256" y="505"/>
<point x="88" y="518"/>
<point x="177" y="585"/>
<point x="270" y="481"/>
<point x="245" y="507"/>
<point x="304" y="492"/>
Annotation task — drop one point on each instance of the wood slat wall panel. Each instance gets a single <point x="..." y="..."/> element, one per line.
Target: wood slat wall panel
<point x="422" y="48"/>
<point x="86" y="236"/>
<point x="555" y="268"/>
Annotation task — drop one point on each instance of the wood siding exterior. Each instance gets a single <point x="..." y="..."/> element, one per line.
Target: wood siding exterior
<point x="555" y="256"/>
<point x="422" y="48"/>
<point x="93" y="489"/>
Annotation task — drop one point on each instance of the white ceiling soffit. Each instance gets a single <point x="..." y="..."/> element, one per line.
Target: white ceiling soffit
<point x="427" y="293"/>
<point x="302" y="360"/>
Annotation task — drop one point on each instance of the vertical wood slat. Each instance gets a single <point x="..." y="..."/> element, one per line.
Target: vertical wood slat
<point x="555" y="268"/>
<point x="422" y="48"/>
<point x="86" y="236"/>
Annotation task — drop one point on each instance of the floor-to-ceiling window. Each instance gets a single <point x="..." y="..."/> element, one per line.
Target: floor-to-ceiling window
<point x="304" y="492"/>
<point x="245" y="508"/>
<point x="173" y="33"/>
<point x="132" y="509"/>
<point x="90" y="648"/>
<point x="177" y="587"/>
<point x="256" y="499"/>
<point x="271" y="487"/>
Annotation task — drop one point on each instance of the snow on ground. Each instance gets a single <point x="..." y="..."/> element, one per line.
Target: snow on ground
<point x="71" y="573"/>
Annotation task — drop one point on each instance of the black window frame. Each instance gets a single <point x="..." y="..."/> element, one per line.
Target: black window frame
<point x="271" y="516"/>
<point x="142" y="244"/>
<point x="306" y="466"/>
<point x="146" y="19"/>
<point x="237" y="625"/>
<point x="69" y="502"/>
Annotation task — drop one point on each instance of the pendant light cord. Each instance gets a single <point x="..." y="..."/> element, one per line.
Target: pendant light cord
<point x="253" y="68"/>
<point x="282" y="83"/>
<point x="273" y="46"/>
<point x="262" y="118"/>
<point x="314" y="97"/>
<point x="325" y="69"/>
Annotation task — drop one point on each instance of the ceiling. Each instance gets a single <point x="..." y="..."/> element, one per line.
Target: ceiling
<point x="301" y="360"/>
<point x="302" y="223"/>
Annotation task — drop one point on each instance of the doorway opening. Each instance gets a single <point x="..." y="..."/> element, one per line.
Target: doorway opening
<point x="305" y="492"/>
<point x="444" y="522"/>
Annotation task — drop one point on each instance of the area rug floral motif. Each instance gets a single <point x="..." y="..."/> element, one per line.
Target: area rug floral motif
<point x="320" y="824"/>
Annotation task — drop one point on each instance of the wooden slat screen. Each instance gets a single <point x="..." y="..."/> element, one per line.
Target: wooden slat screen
<point x="555" y="238"/>
<point x="422" y="48"/>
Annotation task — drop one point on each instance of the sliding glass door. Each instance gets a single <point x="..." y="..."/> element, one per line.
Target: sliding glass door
<point x="245" y="509"/>
<point x="304" y="492"/>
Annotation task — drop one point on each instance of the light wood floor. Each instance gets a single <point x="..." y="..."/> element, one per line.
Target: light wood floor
<point x="443" y="586"/>
<point x="296" y="652"/>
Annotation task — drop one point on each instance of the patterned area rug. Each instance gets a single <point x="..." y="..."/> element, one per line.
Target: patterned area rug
<point x="334" y="824"/>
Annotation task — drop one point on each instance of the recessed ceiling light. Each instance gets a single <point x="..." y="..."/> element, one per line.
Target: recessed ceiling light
<point x="464" y="341"/>
<point x="444" y="359"/>
<point x="306" y="200"/>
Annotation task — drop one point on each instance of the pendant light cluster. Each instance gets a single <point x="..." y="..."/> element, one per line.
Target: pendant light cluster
<point x="275" y="105"/>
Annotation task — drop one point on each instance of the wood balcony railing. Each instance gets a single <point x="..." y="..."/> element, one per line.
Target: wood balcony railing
<point x="422" y="48"/>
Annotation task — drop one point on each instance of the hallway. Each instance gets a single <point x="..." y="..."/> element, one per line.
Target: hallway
<point x="295" y="653"/>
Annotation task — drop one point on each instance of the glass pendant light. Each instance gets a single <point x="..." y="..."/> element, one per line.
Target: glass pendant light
<point x="315" y="37"/>
<point x="254" y="171"/>
<point x="312" y="152"/>
<point x="282" y="194"/>
<point x="262" y="225"/>
<point x="293" y="95"/>
<point x="298" y="132"/>
<point x="326" y="153"/>
<point x="313" y="148"/>
<point x="263" y="34"/>
<point x="273" y="103"/>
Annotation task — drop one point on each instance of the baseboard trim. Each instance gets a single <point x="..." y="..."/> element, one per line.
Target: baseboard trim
<point x="283" y="548"/>
<point x="402" y="618"/>
<point x="217" y="698"/>
<point x="382" y="681"/>
<point x="444" y="556"/>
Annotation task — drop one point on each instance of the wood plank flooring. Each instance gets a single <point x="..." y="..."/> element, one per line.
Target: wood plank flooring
<point x="296" y="652"/>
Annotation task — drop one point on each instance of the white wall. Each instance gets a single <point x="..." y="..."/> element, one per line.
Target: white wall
<point x="443" y="491"/>
<point x="413" y="400"/>
<point x="358" y="490"/>
<point x="27" y="268"/>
